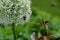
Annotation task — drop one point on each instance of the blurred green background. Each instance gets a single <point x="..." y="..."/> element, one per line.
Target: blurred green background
<point x="45" y="5"/>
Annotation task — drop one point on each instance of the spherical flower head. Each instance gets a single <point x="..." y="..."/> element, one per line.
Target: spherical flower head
<point x="17" y="11"/>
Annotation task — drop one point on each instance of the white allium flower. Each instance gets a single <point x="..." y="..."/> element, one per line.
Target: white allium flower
<point x="17" y="11"/>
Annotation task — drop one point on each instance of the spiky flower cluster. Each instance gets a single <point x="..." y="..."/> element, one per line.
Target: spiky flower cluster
<point x="17" y="11"/>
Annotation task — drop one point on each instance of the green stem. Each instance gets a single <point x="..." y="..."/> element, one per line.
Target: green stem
<point x="46" y="32"/>
<point x="14" y="31"/>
